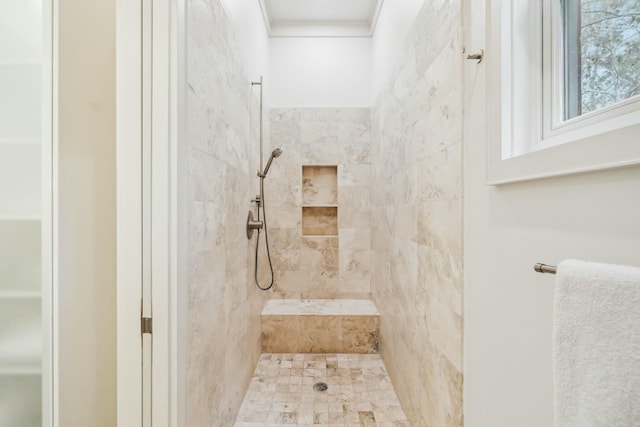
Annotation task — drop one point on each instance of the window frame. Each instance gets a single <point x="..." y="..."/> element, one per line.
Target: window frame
<point x="571" y="57"/>
<point x="528" y="138"/>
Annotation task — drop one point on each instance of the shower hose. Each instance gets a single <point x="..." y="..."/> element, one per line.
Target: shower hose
<point x="266" y="241"/>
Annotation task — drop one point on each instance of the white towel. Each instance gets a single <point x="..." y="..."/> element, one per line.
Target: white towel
<point x="597" y="345"/>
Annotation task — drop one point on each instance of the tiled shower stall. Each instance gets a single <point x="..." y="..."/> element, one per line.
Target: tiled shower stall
<point x="365" y="230"/>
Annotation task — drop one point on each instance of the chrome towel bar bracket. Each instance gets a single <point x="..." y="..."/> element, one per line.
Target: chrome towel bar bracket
<point x="544" y="268"/>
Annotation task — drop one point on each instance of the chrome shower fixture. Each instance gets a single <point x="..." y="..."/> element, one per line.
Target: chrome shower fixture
<point x="259" y="224"/>
<point x="275" y="153"/>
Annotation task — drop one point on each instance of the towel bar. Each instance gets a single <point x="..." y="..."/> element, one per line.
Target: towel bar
<point x="544" y="268"/>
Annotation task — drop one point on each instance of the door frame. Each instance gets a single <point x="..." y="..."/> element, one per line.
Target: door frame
<point x="48" y="224"/>
<point x="129" y="211"/>
<point x="150" y="40"/>
<point x="474" y="134"/>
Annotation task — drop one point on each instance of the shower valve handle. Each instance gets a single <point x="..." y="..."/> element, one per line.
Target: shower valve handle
<point x="253" y="225"/>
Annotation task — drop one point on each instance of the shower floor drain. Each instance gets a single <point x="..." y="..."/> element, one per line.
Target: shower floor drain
<point x="320" y="386"/>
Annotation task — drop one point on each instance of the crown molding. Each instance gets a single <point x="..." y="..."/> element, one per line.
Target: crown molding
<point x="320" y="28"/>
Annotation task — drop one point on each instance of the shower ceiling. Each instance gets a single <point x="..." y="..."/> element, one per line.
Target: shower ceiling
<point x="320" y="18"/>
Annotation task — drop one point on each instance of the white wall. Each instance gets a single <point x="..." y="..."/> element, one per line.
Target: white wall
<point x="395" y="21"/>
<point x="320" y="72"/>
<point x="508" y="307"/>
<point x="333" y="71"/>
<point x="251" y="36"/>
<point x="86" y="214"/>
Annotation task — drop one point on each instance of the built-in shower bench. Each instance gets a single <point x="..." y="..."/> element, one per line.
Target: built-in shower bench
<point x="320" y="326"/>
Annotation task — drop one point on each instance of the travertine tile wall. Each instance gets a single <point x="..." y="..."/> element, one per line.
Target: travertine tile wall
<point x="417" y="218"/>
<point x="223" y="304"/>
<point x="320" y="267"/>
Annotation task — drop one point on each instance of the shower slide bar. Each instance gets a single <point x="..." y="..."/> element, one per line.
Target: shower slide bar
<point x="544" y="268"/>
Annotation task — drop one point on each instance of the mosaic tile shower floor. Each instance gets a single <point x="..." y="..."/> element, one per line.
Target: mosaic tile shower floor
<point x="359" y="392"/>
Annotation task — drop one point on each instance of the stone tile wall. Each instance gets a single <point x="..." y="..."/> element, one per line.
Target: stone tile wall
<point x="224" y="305"/>
<point x="320" y="266"/>
<point x="417" y="218"/>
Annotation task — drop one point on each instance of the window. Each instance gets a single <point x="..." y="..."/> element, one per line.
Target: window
<point x="563" y="78"/>
<point x="601" y="54"/>
<point x="590" y="62"/>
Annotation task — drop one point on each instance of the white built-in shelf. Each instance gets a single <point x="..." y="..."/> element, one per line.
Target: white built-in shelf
<point x="21" y="400"/>
<point x="21" y="332"/>
<point x="20" y="218"/>
<point x="20" y="252"/>
<point x="14" y="63"/>
<point x="20" y="141"/>
<point x="16" y="294"/>
<point x="29" y="368"/>
<point x="20" y="176"/>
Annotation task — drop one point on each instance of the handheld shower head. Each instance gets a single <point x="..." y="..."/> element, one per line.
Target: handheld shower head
<point x="275" y="153"/>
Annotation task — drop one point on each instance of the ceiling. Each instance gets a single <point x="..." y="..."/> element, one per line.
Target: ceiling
<point x="320" y="18"/>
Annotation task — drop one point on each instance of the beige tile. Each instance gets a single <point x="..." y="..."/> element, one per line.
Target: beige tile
<point x="319" y="185"/>
<point x="354" y="174"/>
<point x="312" y="259"/>
<point x="277" y="332"/>
<point x="440" y="175"/>
<point x="320" y="326"/>
<point x="355" y="284"/>
<point x="360" y="334"/>
<point x="326" y="307"/>
<point x="416" y="221"/>
<point x="284" y="217"/>
<point x="288" y="282"/>
<point x="355" y="270"/>
<point x="325" y="151"/>
<point x="320" y="242"/>
<point x="321" y="335"/>
<point x="332" y="407"/>
<point x="354" y="238"/>
<point x="319" y="221"/>
<point x="320" y="284"/>
<point x="222" y="304"/>
<point x="357" y="153"/>
<point x="317" y="138"/>
<point x="354" y="204"/>
<point x="440" y="225"/>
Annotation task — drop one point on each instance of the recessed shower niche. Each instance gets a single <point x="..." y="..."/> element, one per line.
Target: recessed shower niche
<point x="319" y="200"/>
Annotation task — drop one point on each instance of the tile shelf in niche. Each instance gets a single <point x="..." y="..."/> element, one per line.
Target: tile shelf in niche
<point x="319" y="221"/>
<point x="319" y="185"/>
<point x="319" y="200"/>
